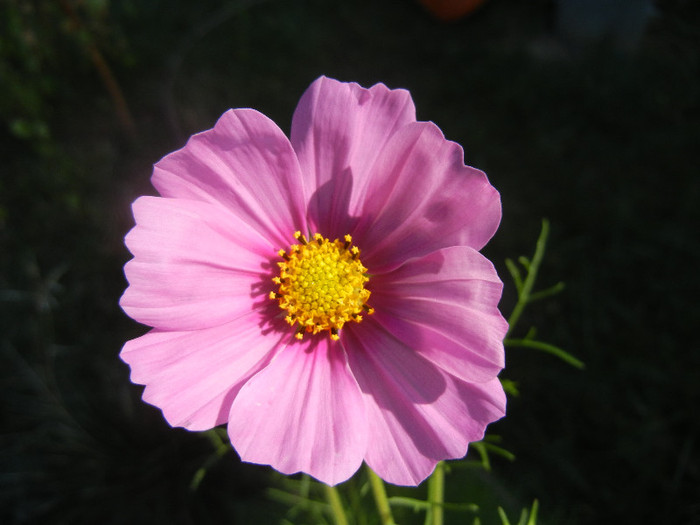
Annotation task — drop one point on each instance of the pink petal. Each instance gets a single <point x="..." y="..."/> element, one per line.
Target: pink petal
<point x="421" y="197"/>
<point x="418" y="414"/>
<point x="196" y="265"/>
<point x="303" y="412"/>
<point x="246" y="164"/>
<point x="444" y="305"/>
<point x="338" y="130"/>
<point x="194" y="376"/>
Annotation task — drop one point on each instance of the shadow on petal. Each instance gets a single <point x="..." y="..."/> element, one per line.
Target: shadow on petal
<point x="387" y="369"/>
<point x="271" y="315"/>
<point x="329" y="206"/>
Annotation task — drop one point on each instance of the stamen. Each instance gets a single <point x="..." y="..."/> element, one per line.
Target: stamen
<point x="321" y="285"/>
<point x="300" y="237"/>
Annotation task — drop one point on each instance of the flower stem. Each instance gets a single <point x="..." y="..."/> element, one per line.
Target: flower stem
<point x="533" y="266"/>
<point x="436" y="495"/>
<point x="380" y="498"/>
<point x="336" y="505"/>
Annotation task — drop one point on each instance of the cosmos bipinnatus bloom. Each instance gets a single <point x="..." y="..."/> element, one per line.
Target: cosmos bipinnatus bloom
<point x="323" y="295"/>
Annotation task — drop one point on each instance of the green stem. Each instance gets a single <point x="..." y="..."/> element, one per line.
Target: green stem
<point x="524" y="295"/>
<point x="380" y="498"/>
<point x="436" y="495"/>
<point x="336" y="505"/>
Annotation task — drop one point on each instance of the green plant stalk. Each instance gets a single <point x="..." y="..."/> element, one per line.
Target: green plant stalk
<point x="436" y="495"/>
<point x="380" y="498"/>
<point x="529" y="282"/>
<point x="336" y="505"/>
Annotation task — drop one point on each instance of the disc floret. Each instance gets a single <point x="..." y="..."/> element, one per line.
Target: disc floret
<point x="321" y="285"/>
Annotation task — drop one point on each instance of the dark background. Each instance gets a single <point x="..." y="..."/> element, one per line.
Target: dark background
<point x="580" y="122"/>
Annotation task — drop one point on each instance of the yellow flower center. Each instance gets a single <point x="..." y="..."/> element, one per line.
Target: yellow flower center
<point x="321" y="285"/>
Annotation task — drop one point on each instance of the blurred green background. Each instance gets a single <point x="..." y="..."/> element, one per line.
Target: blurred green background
<point x="587" y="116"/>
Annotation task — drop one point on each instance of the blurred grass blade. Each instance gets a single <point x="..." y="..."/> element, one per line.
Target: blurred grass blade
<point x="533" y="513"/>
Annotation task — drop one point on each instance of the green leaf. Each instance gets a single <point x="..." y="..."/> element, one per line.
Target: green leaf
<point x="525" y="262"/>
<point x="483" y="453"/>
<point x="546" y="347"/>
<point x="515" y="274"/>
<point x="500" y="451"/>
<point x="291" y="499"/>
<point x="533" y="513"/>
<point x="418" y="505"/>
<point x="523" y="517"/>
<point x="503" y="516"/>
<point x="548" y="292"/>
<point x="510" y="387"/>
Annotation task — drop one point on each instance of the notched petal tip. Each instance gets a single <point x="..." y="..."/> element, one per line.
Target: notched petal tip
<point x="246" y="164"/>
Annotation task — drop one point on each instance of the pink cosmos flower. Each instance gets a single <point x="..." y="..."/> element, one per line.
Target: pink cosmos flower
<point x="268" y="317"/>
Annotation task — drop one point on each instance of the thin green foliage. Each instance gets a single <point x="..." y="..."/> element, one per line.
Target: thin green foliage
<point x="304" y="497"/>
<point x="510" y="387"/>
<point x="548" y="348"/>
<point x="418" y="505"/>
<point x="524" y="287"/>
<point x="527" y="517"/>
<point x="219" y="440"/>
